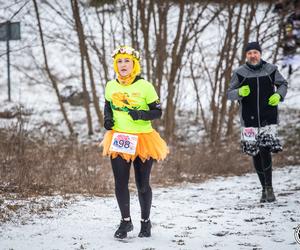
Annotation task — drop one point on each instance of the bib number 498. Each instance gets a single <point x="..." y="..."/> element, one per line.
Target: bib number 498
<point x="124" y="143"/>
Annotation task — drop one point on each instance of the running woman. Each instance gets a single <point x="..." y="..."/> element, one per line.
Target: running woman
<point x="131" y="103"/>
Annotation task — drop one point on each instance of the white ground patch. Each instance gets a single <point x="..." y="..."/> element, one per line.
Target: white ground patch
<point x="223" y="213"/>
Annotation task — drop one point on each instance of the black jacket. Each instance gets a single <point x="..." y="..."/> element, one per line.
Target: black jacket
<point x="263" y="81"/>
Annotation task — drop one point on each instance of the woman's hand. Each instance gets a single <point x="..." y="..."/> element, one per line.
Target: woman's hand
<point x="136" y="114"/>
<point x="108" y="124"/>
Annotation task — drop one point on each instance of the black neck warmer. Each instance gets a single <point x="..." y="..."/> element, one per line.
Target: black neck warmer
<point x="257" y="66"/>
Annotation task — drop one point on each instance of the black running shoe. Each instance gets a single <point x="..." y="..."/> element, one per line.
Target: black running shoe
<point x="145" y="229"/>
<point x="270" y="197"/>
<point x="124" y="228"/>
<point x="263" y="197"/>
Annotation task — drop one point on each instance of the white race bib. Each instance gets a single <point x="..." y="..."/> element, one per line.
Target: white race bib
<point x="249" y="134"/>
<point x="124" y="143"/>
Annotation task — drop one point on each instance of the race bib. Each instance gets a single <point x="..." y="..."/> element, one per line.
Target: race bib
<point x="124" y="143"/>
<point x="249" y="134"/>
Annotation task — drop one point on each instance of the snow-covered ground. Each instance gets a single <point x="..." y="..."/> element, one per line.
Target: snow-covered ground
<point x="223" y="213"/>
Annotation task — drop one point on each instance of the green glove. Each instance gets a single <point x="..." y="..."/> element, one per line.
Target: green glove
<point x="274" y="99"/>
<point x="244" y="91"/>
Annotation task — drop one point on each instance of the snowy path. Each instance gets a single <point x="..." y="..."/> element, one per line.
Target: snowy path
<point x="223" y="213"/>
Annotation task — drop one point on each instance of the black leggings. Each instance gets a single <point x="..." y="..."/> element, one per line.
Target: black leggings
<point x="142" y="170"/>
<point x="263" y="166"/>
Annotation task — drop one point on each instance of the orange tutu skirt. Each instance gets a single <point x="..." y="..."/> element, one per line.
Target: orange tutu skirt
<point x="149" y="145"/>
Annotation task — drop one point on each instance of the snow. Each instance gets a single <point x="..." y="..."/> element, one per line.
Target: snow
<point x="222" y="213"/>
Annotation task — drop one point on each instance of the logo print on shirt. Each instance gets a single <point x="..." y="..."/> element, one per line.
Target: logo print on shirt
<point x="122" y="102"/>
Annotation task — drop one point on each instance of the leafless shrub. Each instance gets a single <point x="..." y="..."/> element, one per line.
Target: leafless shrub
<point x="29" y="164"/>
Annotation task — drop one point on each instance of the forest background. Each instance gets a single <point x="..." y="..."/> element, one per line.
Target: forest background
<point x="50" y="130"/>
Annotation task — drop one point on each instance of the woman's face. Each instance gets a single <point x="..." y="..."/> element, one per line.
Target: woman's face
<point x="125" y="66"/>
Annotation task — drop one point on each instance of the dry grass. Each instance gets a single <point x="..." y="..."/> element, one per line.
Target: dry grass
<point x="30" y="165"/>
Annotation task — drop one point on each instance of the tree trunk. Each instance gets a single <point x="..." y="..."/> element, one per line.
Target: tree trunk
<point x="176" y="56"/>
<point x="84" y="87"/>
<point x="82" y="37"/>
<point x="52" y="79"/>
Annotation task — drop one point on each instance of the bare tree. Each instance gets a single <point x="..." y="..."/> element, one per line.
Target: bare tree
<point x="165" y="38"/>
<point x="83" y="76"/>
<point x="223" y="72"/>
<point x="84" y="50"/>
<point x="170" y="36"/>
<point x="50" y="75"/>
<point x="241" y="23"/>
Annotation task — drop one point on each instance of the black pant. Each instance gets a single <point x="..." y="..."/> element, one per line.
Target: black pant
<point x="263" y="166"/>
<point x="142" y="170"/>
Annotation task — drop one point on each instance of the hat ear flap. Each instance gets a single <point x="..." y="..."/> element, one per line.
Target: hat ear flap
<point x="136" y="67"/>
